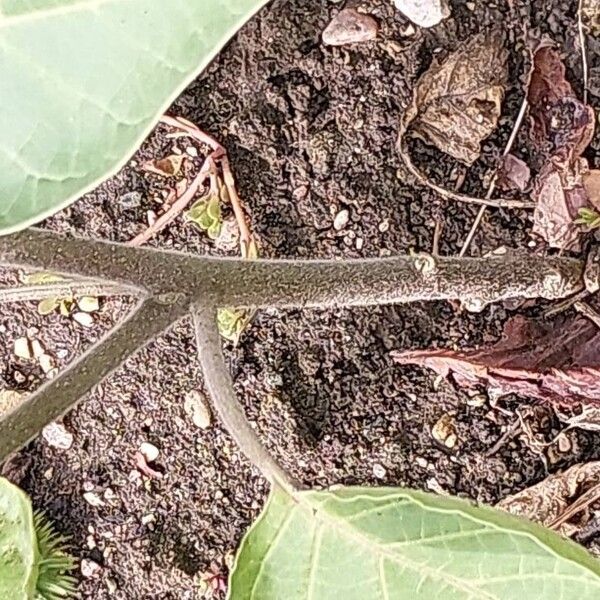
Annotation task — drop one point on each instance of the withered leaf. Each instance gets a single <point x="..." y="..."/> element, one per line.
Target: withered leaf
<point x="169" y="166"/>
<point x="561" y="128"/>
<point x="557" y="362"/>
<point x="456" y="103"/>
<point x="548" y="501"/>
<point x="513" y="173"/>
<point x="559" y="194"/>
<point x="591" y="183"/>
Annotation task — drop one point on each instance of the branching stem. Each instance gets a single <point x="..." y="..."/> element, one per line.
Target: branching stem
<point x="218" y="382"/>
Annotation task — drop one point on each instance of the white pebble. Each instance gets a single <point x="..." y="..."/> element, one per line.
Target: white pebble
<point x="425" y="13"/>
<point x="341" y="220"/>
<point x="57" y="436"/>
<point x="379" y="471"/>
<point x="149" y="451"/>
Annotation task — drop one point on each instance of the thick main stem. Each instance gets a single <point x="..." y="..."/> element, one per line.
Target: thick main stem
<point x="215" y="282"/>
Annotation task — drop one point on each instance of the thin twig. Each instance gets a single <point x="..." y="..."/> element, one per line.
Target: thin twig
<point x="580" y="504"/>
<point x="583" y="48"/>
<point x="177" y="207"/>
<point x="220" y="156"/>
<point x="587" y="311"/>
<point x="218" y="382"/>
<point x="246" y="237"/>
<point x="492" y="187"/>
<point x="450" y="195"/>
<point x="437" y="234"/>
<point x="564" y="305"/>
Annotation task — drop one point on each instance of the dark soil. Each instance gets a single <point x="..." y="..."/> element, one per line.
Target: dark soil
<point x="310" y="131"/>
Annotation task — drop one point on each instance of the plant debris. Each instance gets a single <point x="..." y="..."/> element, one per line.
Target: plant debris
<point x="513" y="174"/>
<point x="166" y="167"/>
<point x="350" y="27"/>
<point x="557" y="362"/>
<point x="456" y="103"/>
<point x="561" y="128"/>
<point x="548" y="501"/>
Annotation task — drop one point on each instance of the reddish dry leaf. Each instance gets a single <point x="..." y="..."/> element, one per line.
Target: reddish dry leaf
<point x="166" y="167"/>
<point x="561" y="129"/>
<point x="591" y="183"/>
<point x="558" y="362"/>
<point x="513" y="174"/>
<point x="559" y="195"/>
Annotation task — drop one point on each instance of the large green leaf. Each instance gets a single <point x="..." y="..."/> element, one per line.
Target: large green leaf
<point x="389" y="544"/>
<point x="18" y="544"/>
<point x="82" y="82"/>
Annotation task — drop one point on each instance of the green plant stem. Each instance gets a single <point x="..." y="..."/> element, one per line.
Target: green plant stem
<point x="218" y="382"/>
<point x="215" y="282"/>
<point x="174" y="284"/>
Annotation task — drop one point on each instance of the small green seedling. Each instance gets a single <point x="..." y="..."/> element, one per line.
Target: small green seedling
<point x="206" y="214"/>
<point x="33" y="561"/>
<point x="589" y="218"/>
<point x="232" y="323"/>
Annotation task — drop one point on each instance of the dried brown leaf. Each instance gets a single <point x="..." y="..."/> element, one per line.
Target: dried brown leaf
<point x="547" y="501"/>
<point x="557" y="362"/>
<point x="561" y="129"/>
<point x="456" y="103"/>
<point x="169" y="166"/>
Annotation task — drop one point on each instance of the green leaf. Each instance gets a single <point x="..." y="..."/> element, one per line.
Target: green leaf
<point x="214" y="231"/>
<point x="18" y="544"/>
<point x="388" y="544"/>
<point x="214" y="208"/>
<point x="48" y="306"/>
<point x="84" y="82"/>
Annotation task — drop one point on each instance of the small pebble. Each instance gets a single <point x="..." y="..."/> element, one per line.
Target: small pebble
<point x="384" y="226"/>
<point x="149" y="451"/>
<point x="379" y="471"/>
<point x="191" y="151"/>
<point x="90" y="568"/>
<point x="83" y="318"/>
<point x="93" y="499"/>
<point x="46" y="362"/>
<point x="36" y="348"/>
<point x="22" y="348"/>
<point x="130" y="200"/>
<point x="359" y="243"/>
<point x="341" y="220"/>
<point x="88" y="304"/>
<point x="57" y="436"/>
<point x="196" y="407"/>
<point x="425" y="13"/>
<point x="350" y="27"/>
